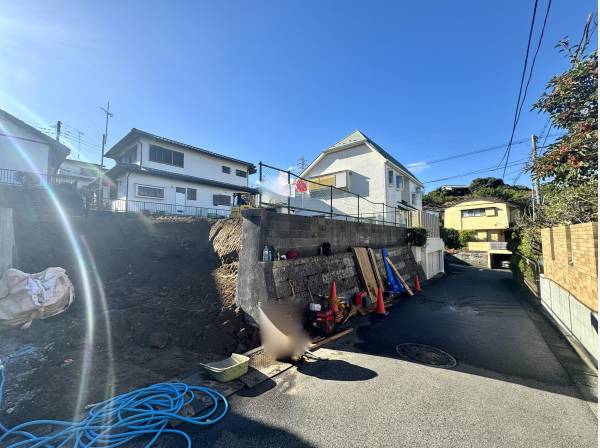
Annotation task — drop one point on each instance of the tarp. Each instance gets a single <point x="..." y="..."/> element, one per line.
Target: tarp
<point x="25" y="297"/>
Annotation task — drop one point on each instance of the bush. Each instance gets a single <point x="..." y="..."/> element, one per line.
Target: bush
<point x="451" y="238"/>
<point x="465" y="236"/>
<point x="417" y="236"/>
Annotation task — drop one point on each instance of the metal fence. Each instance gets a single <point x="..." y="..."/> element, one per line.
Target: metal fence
<point x="287" y="192"/>
<point x="159" y="208"/>
<point x="527" y="272"/>
<point x="428" y="220"/>
<point x="31" y="179"/>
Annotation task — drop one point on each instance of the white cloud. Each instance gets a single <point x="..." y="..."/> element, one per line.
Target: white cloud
<point x="418" y="167"/>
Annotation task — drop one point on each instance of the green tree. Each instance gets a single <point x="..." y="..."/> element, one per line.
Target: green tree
<point x="465" y="236"/>
<point x="571" y="100"/>
<point x="451" y="238"/>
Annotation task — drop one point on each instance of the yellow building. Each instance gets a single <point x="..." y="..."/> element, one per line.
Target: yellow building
<point x="489" y="219"/>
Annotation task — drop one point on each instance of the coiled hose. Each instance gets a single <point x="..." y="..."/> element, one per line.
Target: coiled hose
<point x="119" y="420"/>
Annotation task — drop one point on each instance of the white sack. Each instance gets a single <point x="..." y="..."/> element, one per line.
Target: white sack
<point x="25" y="297"/>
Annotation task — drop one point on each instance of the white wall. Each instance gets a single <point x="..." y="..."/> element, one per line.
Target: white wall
<point x="430" y="257"/>
<point x="22" y="150"/>
<point x="570" y="314"/>
<point x="204" y="193"/>
<point x="195" y="164"/>
<point x="366" y="166"/>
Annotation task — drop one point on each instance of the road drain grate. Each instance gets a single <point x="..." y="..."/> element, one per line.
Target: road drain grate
<point x="425" y="354"/>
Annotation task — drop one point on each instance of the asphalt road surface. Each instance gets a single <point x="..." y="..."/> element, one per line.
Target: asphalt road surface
<point x="515" y="384"/>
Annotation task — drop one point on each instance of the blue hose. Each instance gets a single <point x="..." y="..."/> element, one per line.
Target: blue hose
<point x="119" y="420"/>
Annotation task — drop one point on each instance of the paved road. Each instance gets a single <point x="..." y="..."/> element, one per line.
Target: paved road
<point x="514" y="385"/>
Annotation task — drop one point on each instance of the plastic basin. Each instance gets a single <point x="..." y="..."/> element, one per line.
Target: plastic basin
<point x="228" y="369"/>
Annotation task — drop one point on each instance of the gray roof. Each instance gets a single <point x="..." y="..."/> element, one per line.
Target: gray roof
<point x="359" y="136"/>
<point x="135" y="133"/>
<point x="120" y="168"/>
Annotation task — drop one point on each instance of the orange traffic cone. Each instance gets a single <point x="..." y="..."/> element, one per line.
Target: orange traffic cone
<point x="380" y="308"/>
<point x="333" y="300"/>
<point x="417" y="283"/>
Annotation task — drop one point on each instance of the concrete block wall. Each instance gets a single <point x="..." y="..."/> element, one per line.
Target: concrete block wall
<point x="307" y="233"/>
<point x="259" y="281"/>
<point x="570" y="313"/>
<point x="571" y="260"/>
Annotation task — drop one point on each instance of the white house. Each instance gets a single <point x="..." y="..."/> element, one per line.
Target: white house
<point x="27" y="152"/>
<point x="359" y="166"/>
<point x="78" y="172"/>
<point x="158" y="175"/>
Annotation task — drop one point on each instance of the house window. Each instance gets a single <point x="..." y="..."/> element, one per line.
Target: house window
<point x="191" y="194"/>
<point x="166" y="156"/>
<point x="129" y="156"/>
<point x="241" y="173"/>
<point x="399" y="181"/>
<point x="221" y="199"/>
<point x="146" y="191"/>
<point x="390" y="177"/>
<point x="226" y="169"/>
<point x="472" y="213"/>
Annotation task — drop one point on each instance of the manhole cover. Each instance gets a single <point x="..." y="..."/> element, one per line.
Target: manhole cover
<point x="425" y="354"/>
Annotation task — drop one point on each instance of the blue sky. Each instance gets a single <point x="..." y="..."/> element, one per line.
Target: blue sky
<point x="276" y="80"/>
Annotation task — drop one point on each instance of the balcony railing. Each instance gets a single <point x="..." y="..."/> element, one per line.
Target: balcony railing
<point x="159" y="209"/>
<point x="31" y="179"/>
<point x="485" y="246"/>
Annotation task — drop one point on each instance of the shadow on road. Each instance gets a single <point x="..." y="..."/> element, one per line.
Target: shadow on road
<point x="336" y="370"/>
<point x="482" y="318"/>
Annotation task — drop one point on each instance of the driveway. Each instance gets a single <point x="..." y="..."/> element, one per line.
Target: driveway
<point x="514" y="384"/>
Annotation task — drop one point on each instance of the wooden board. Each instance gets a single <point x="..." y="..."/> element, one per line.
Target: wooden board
<point x="373" y="261"/>
<point x="408" y="290"/>
<point x="365" y="271"/>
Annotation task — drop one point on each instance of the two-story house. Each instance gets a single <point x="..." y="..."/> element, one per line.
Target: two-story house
<point x="158" y="175"/>
<point x="78" y="172"/>
<point x="361" y="166"/>
<point x="27" y="152"/>
<point x="488" y="220"/>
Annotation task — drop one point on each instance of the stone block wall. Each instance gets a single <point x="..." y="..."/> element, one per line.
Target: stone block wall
<point x="571" y="260"/>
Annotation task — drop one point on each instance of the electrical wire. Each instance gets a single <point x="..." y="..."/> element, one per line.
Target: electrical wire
<point x="543" y="145"/>
<point x="525" y="63"/>
<point x="121" y="419"/>
<point x="482" y="170"/>
<point x="533" y="61"/>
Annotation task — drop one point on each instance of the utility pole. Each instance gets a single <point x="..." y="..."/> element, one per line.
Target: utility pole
<point x="535" y="190"/>
<point x="108" y="115"/>
<point x="58" y="126"/>
<point x="105" y="135"/>
<point x="301" y="166"/>
<point x="79" y="134"/>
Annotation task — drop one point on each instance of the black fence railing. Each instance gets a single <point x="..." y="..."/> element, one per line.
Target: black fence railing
<point x="287" y="192"/>
<point x="31" y="179"/>
<point x="158" y="209"/>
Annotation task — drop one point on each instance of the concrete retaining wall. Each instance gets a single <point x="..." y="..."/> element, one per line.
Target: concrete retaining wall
<point x="260" y="281"/>
<point x="478" y="259"/>
<point x="7" y="239"/>
<point x="571" y="314"/>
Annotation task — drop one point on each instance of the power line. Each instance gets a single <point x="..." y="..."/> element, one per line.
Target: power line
<point x="533" y="61"/>
<point x="482" y="170"/>
<point x="476" y="151"/>
<point x="543" y="145"/>
<point x="515" y="120"/>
